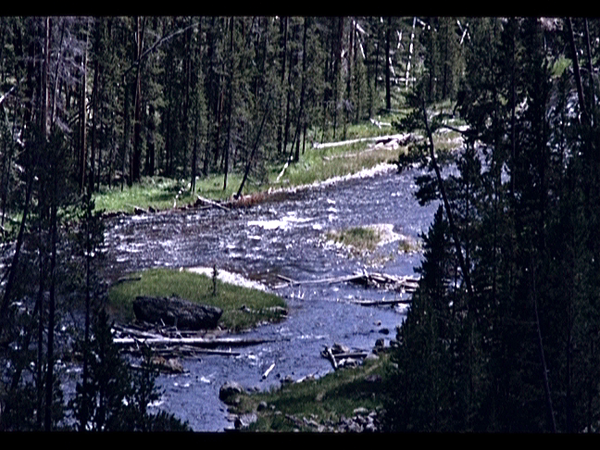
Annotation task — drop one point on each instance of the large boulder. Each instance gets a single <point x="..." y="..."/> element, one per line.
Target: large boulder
<point x="175" y="311"/>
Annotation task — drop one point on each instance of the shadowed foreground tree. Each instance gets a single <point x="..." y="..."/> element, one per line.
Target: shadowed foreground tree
<point x="116" y="397"/>
<point x="519" y="353"/>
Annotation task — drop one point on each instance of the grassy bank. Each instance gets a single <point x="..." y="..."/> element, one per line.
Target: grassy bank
<point x="315" y="165"/>
<point x="318" y="404"/>
<point x="242" y="307"/>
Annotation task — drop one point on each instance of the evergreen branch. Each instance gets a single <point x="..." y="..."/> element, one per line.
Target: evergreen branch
<point x="438" y="174"/>
<point x="156" y="45"/>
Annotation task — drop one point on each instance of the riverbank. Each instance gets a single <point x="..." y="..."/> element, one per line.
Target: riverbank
<point x="321" y="164"/>
<point x="350" y="399"/>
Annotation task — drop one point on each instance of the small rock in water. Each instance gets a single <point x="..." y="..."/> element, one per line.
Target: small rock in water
<point x="229" y="392"/>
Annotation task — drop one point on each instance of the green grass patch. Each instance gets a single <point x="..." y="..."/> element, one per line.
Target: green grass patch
<point x="259" y="306"/>
<point x="156" y="192"/>
<point x="322" y="400"/>
<point x="360" y="239"/>
<point x="318" y="165"/>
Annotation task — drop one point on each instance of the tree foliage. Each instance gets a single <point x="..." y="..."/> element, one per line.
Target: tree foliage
<point x="517" y="354"/>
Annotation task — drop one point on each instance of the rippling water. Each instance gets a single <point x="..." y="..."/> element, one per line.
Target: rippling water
<point x="283" y="237"/>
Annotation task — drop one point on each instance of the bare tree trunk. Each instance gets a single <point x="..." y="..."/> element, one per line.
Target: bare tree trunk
<point x="284" y="31"/>
<point x="388" y="62"/>
<point x="45" y="90"/>
<point x="249" y="163"/>
<point x="577" y="72"/>
<point x="51" y="314"/>
<point x="302" y="91"/>
<point x="592" y="91"/>
<point x="56" y="76"/>
<point x="410" y="53"/>
<point x="137" y="120"/>
<point x="125" y="130"/>
<point x="94" y="128"/>
<point x="449" y="214"/>
<point x="195" y="155"/>
<point x="230" y="100"/>
<point x="542" y="357"/>
<point x="83" y="118"/>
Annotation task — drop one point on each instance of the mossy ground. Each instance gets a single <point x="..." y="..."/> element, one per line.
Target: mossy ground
<point x="324" y="400"/>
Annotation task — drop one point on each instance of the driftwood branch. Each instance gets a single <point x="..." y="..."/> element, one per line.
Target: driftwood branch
<point x="283" y="170"/>
<point x="192" y="341"/>
<point x="212" y="203"/>
<point x="10" y="91"/>
<point x="408" y="284"/>
<point x="332" y="358"/>
<point x="339" y="353"/>
<point x="268" y="371"/>
<point x="382" y="302"/>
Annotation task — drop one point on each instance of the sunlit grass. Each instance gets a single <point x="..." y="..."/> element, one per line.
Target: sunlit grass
<point x="259" y="306"/>
<point x="158" y="193"/>
<point x="314" y="165"/>
<point x="359" y="239"/>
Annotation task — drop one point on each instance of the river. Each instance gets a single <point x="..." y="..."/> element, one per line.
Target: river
<point x="281" y="236"/>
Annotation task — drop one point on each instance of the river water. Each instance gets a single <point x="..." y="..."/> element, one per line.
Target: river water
<point x="283" y="236"/>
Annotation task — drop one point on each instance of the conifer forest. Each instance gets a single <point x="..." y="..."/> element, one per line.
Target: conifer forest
<point x="503" y="331"/>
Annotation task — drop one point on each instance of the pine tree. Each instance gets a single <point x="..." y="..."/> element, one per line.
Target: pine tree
<point x="116" y="398"/>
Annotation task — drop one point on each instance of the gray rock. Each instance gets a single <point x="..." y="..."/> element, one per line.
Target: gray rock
<point x="230" y="391"/>
<point x="175" y="311"/>
<point x="244" y="421"/>
<point x="261" y="406"/>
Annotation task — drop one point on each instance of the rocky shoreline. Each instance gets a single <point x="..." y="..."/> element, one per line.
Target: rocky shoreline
<point x="362" y="420"/>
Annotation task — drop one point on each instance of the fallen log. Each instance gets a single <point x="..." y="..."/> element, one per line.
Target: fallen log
<point x="127" y="279"/>
<point x="324" y="280"/>
<point x="200" y="342"/>
<point x="381" y="302"/>
<point x="339" y="355"/>
<point x="268" y="371"/>
<point x="406" y="283"/>
<point x="211" y="203"/>
<point x="351" y="355"/>
<point x="330" y="356"/>
<point x="209" y="351"/>
<point x="289" y="280"/>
